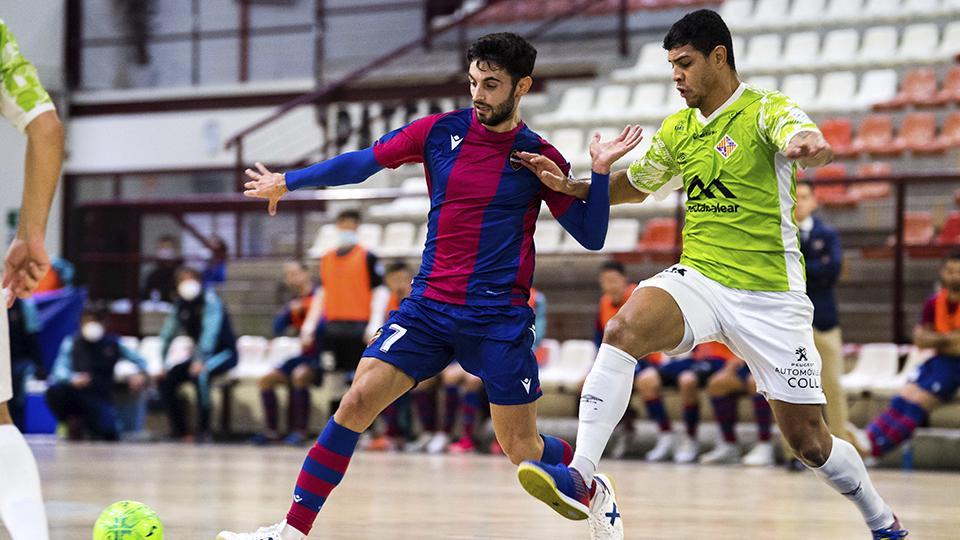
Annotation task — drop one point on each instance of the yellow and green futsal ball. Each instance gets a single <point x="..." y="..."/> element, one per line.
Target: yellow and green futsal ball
<point x="128" y="520"/>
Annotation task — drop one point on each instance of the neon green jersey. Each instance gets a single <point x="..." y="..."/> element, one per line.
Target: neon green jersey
<point x="739" y="228"/>
<point x="22" y="97"/>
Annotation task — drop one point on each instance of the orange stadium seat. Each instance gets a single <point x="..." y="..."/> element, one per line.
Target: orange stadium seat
<point x="951" y="87"/>
<point x="660" y="234"/>
<point x="950" y="234"/>
<point x="839" y="133"/>
<point x="919" y="88"/>
<point x="831" y="194"/>
<point x="919" y="134"/>
<point x="872" y="190"/>
<point x="950" y="134"/>
<point x="875" y="136"/>
<point x="918" y="228"/>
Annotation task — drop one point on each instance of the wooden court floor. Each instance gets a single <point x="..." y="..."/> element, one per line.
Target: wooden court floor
<point x="199" y="490"/>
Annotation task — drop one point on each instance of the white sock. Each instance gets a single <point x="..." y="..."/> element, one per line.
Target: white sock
<point x="21" y="503"/>
<point x="605" y="396"/>
<point x="845" y="472"/>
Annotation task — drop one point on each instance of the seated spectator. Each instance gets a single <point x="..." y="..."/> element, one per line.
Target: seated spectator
<point x="935" y="383"/>
<point x="688" y="375"/>
<point x="26" y="359"/>
<point x="160" y="283"/>
<point x="300" y="372"/>
<point x="200" y="314"/>
<point x="215" y="272"/>
<point x="80" y="394"/>
<point x="725" y="388"/>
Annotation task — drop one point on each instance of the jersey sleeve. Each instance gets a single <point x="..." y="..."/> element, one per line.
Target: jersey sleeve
<point x="780" y="118"/>
<point x="406" y="144"/>
<point x="655" y="172"/>
<point x="22" y="97"/>
<point x="557" y="202"/>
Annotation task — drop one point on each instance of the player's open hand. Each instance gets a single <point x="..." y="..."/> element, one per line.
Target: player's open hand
<point x="810" y="149"/>
<point x="547" y="171"/>
<point x="605" y="153"/>
<point x="264" y="184"/>
<point x="25" y="265"/>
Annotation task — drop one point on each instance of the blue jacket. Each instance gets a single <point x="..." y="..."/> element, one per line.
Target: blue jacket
<point x="824" y="259"/>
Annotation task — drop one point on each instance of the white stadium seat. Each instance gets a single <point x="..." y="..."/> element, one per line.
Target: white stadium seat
<point x="882" y="10"/>
<point x="800" y="50"/>
<point x="839" y="47"/>
<point x="890" y="386"/>
<point x="876" y="86"/>
<point x="875" y="362"/>
<point x="950" y="44"/>
<point x="181" y="350"/>
<point x="836" y="91"/>
<point x="767" y="15"/>
<point x="551" y="352"/>
<point x="326" y="240"/>
<point x="648" y="100"/>
<point x="576" y="357"/>
<point x="922" y="8"/>
<point x="569" y="141"/>
<point x="283" y="348"/>
<point x="841" y="12"/>
<point x="919" y="40"/>
<point x="737" y="13"/>
<point x="801" y="88"/>
<point x="879" y="46"/>
<point x="421" y="240"/>
<point x="150" y="350"/>
<point x="547" y="237"/>
<point x="252" y="360"/>
<point x="806" y="13"/>
<point x="398" y="238"/>
<point x="651" y="65"/>
<point x="763" y="54"/>
<point x="763" y="82"/>
<point x="370" y="234"/>
<point x="612" y="100"/>
<point x="622" y="236"/>
<point x="574" y="105"/>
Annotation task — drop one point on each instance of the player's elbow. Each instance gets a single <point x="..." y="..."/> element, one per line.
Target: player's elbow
<point x="593" y="242"/>
<point x="46" y="129"/>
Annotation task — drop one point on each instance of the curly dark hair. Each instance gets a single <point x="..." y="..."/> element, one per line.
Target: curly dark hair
<point x="705" y="30"/>
<point x="504" y="50"/>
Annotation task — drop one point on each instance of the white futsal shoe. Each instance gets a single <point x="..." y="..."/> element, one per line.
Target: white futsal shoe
<point x="760" y="455"/>
<point x="280" y="531"/>
<point x="723" y="453"/>
<point x="438" y="443"/>
<point x="663" y="449"/>
<point x="605" y="520"/>
<point x="686" y="449"/>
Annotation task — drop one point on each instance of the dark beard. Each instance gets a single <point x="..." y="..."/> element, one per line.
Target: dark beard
<point x="501" y="113"/>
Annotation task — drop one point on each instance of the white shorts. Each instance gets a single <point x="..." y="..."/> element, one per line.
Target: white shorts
<point x="6" y="377"/>
<point x="771" y="331"/>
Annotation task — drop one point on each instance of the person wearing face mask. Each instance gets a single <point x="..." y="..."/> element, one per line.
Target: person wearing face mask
<point x="80" y="392"/>
<point x="935" y="383"/>
<point x="160" y="284"/>
<point x="350" y="288"/>
<point x="200" y="314"/>
<point x="301" y="371"/>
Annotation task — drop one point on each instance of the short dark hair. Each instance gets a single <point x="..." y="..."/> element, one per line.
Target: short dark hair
<point x="952" y="256"/>
<point x="398" y="266"/>
<point x="705" y="30"/>
<point x="504" y="50"/>
<point x="615" y="266"/>
<point x="188" y="271"/>
<point x="349" y="214"/>
<point x="805" y="182"/>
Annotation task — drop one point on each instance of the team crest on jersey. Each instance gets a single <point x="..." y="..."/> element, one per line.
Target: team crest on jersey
<point x="726" y="146"/>
<point x="515" y="162"/>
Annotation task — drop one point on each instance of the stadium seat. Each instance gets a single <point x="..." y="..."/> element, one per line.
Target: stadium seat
<point x="574" y="105"/>
<point x="398" y="239"/>
<point x="548" y="236"/>
<point x="763" y="82"/>
<point x="839" y="133"/>
<point x="889" y="386"/>
<point x="950" y="43"/>
<point x="762" y="55"/>
<point x="876" y="86"/>
<point x="800" y="48"/>
<point x="917" y="43"/>
<point x="872" y="190"/>
<point x="918" y="228"/>
<point x="879" y="47"/>
<point x="918" y="133"/>
<point x="651" y="65"/>
<point x="370" y="235"/>
<point x="612" y="100"/>
<point x="921" y="8"/>
<point x="950" y="234"/>
<point x="767" y="15"/>
<point x="950" y="92"/>
<point x="737" y="13"/>
<point x="839" y="46"/>
<point x="950" y="133"/>
<point x="875" y="136"/>
<point x="831" y="194"/>
<point x="659" y="235"/>
<point x="881" y="10"/>
<point x="181" y="350"/>
<point x="123" y="369"/>
<point x="801" y="88"/>
<point x="875" y="362"/>
<point x="806" y="13"/>
<point x="416" y="184"/>
<point x="842" y="12"/>
<point x="573" y="364"/>
<point x="130" y="342"/>
<point x="326" y="239"/>
<point x="421" y="241"/>
<point x="570" y="142"/>
<point x="150" y="349"/>
<point x="281" y="349"/>
<point x="836" y="92"/>
<point x="648" y="101"/>
<point x="622" y="236"/>
<point x="919" y="88"/>
<point x="548" y="352"/>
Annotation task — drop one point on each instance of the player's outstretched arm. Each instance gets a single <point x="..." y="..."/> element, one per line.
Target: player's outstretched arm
<point x="348" y="168"/>
<point x="809" y="149"/>
<point x="27" y="261"/>
<point x="621" y="190"/>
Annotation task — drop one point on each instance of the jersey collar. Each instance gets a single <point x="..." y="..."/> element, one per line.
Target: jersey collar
<point x="730" y="101"/>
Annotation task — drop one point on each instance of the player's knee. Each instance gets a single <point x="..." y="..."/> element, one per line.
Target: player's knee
<point x="356" y="410"/>
<point x="267" y="382"/>
<point x="519" y="449"/>
<point x="688" y="381"/>
<point x="648" y="384"/>
<point x="809" y="442"/>
<point x="627" y="337"/>
<point x="302" y="377"/>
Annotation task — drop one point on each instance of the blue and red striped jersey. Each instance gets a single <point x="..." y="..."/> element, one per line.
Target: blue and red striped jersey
<point x="483" y="208"/>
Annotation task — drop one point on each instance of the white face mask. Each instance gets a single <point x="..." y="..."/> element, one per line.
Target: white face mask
<point x="189" y="289"/>
<point x="92" y="331"/>
<point x="347" y="238"/>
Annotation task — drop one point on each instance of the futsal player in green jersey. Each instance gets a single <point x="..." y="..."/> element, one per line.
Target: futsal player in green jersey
<point x="740" y="280"/>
